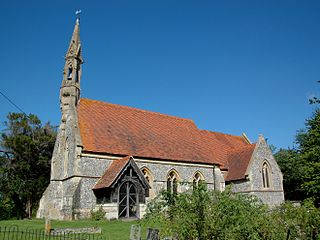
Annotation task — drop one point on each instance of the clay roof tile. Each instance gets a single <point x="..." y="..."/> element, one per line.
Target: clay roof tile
<point x="114" y="129"/>
<point x="112" y="173"/>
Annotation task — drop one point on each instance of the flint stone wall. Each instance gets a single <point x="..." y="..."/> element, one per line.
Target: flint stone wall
<point x="92" y="166"/>
<point x="160" y="171"/>
<point x="92" y="169"/>
<point x="272" y="196"/>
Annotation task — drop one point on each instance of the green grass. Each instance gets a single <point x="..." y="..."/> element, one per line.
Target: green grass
<point x="111" y="230"/>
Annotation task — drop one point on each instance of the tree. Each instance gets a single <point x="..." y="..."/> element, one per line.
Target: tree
<point x="309" y="151"/>
<point x="25" y="172"/>
<point x="292" y="168"/>
<point x="314" y="100"/>
<point x="301" y="166"/>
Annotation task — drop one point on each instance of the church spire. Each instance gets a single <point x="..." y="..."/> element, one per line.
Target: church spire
<point x="72" y="70"/>
<point x="70" y="87"/>
<point x="74" y="50"/>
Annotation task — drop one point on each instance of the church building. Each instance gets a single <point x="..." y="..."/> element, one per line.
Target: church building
<point x="118" y="158"/>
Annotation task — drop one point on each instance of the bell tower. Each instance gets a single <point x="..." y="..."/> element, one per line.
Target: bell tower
<point x="70" y="87"/>
<point x="68" y="143"/>
<point x="58" y="201"/>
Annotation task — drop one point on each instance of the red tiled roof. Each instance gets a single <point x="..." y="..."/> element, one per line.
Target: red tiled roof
<point x="238" y="162"/>
<point x="112" y="173"/>
<point x="115" y="129"/>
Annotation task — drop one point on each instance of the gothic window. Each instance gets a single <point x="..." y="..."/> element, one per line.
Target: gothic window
<point x="172" y="182"/>
<point x="147" y="174"/>
<point x="266" y="174"/>
<point x="197" y="178"/>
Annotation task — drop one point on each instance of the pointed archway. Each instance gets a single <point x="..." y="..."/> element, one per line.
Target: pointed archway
<point x="123" y="183"/>
<point x="128" y="200"/>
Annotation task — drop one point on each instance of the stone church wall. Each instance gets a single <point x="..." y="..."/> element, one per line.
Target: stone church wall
<point x="84" y="198"/>
<point x="240" y="186"/>
<point x="185" y="172"/>
<point x="254" y="184"/>
<point x="76" y="199"/>
<point x="58" y="200"/>
<point x="92" y="168"/>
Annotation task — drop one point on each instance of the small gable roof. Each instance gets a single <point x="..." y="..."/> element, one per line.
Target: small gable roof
<point x="113" y="172"/>
<point x="125" y="131"/>
<point x="238" y="162"/>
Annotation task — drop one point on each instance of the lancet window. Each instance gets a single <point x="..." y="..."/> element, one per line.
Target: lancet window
<point x="266" y="174"/>
<point x="172" y="182"/>
<point x="197" y="178"/>
<point x="147" y="175"/>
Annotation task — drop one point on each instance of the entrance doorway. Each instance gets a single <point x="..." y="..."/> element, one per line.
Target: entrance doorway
<point x="128" y="200"/>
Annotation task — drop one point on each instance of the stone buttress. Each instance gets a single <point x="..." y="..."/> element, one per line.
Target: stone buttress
<point x="58" y="200"/>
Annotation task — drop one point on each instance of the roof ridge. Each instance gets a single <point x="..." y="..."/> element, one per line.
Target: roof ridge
<point x="142" y="110"/>
<point x="228" y="134"/>
<point x="235" y="150"/>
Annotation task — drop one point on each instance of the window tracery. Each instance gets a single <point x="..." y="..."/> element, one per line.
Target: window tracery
<point x="147" y="174"/>
<point x="172" y="182"/>
<point x="197" y="178"/>
<point x="266" y="174"/>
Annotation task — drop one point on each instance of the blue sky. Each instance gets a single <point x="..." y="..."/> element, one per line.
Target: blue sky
<point x="231" y="66"/>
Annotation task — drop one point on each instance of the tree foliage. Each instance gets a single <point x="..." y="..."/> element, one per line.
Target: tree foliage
<point x="203" y="215"/>
<point x="292" y="169"/>
<point x="301" y="166"/>
<point x="25" y="170"/>
<point x="309" y="151"/>
<point x="314" y="99"/>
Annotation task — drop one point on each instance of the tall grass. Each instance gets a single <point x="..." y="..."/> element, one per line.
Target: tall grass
<point x="111" y="230"/>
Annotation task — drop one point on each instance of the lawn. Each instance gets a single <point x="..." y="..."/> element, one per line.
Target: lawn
<point x="111" y="230"/>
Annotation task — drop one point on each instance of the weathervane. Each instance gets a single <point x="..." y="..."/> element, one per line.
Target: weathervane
<point x="78" y="12"/>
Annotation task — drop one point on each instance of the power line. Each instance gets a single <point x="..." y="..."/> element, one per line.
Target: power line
<point x="15" y="105"/>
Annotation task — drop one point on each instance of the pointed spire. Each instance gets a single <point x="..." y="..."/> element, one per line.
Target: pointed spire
<point x="70" y="87"/>
<point x="72" y="69"/>
<point x="74" y="50"/>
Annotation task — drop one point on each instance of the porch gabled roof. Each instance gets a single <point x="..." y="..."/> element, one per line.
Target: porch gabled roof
<point x="115" y="170"/>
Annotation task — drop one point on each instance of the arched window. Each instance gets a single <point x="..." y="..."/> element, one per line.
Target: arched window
<point x="197" y="178"/>
<point x="266" y="174"/>
<point x="147" y="174"/>
<point x="172" y="182"/>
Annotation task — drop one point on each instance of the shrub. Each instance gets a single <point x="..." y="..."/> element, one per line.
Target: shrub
<point x="201" y="214"/>
<point x="98" y="214"/>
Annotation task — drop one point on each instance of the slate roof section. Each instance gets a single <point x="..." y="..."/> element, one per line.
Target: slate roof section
<point x="125" y="131"/>
<point x="112" y="173"/>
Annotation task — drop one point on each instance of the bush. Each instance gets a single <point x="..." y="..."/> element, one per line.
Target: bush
<point x="7" y="210"/>
<point x="298" y="222"/>
<point x="203" y="215"/>
<point x="98" y="214"/>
